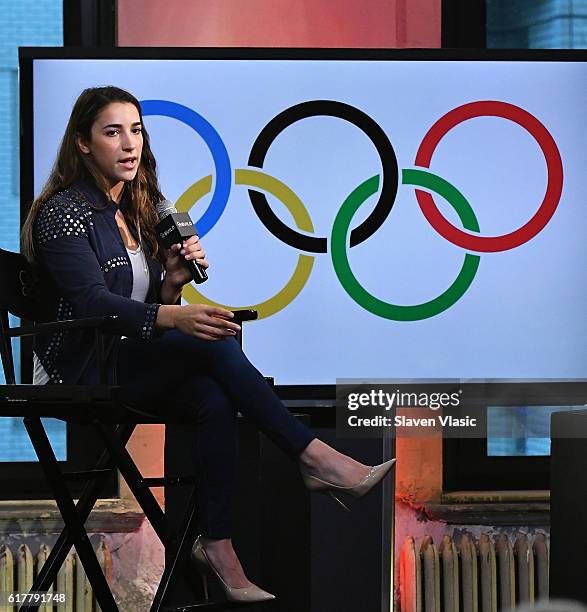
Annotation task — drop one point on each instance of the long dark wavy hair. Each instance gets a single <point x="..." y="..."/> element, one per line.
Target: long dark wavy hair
<point x="71" y="165"/>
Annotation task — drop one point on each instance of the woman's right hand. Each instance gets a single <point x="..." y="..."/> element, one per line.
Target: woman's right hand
<point x="201" y="320"/>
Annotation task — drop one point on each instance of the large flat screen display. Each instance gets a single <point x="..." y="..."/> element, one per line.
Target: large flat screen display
<point x="390" y="216"/>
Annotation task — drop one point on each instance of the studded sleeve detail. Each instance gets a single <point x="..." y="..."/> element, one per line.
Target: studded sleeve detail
<point x="62" y="215"/>
<point x="149" y="322"/>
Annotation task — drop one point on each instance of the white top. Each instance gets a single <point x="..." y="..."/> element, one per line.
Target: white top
<point x="140" y="288"/>
<point x="140" y="274"/>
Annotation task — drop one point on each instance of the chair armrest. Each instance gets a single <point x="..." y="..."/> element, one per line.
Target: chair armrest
<point x="98" y="323"/>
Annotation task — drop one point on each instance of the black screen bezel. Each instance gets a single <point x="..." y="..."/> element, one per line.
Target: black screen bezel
<point x="533" y="470"/>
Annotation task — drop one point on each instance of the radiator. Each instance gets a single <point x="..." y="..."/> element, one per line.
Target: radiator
<point x="488" y="575"/>
<point x="18" y="569"/>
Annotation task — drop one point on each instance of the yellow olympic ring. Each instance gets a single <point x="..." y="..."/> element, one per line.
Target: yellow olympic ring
<point x="255" y="178"/>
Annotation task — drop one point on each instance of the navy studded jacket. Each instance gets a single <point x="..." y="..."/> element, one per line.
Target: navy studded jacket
<point x="86" y="272"/>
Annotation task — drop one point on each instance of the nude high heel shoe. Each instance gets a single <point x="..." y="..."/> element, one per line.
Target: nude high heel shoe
<point x="376" y="474"/>
<point x="244" y="595"/>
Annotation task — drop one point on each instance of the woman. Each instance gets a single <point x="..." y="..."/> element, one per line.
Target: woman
<point x="91" y="232"/>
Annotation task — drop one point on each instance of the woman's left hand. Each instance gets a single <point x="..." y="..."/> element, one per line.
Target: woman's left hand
<point x="175" y="272"/>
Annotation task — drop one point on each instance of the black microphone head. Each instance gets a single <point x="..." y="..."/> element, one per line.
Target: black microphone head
<point x="165" y="208"/>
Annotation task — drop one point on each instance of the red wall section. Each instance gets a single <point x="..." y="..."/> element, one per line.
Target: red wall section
<point x="279" y="23"/>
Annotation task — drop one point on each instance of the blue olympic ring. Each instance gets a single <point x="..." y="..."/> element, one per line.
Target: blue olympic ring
<point x="219" y="154"/>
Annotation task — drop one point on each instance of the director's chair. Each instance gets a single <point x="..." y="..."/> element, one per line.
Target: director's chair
<point x="114" y="424"/>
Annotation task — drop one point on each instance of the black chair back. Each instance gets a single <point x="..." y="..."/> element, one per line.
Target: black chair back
<point x="19" y="286"/>
<point x="19" y="296"/>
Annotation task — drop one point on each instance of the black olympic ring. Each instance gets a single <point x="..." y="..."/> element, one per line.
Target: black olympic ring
<point x="390" y="172"/>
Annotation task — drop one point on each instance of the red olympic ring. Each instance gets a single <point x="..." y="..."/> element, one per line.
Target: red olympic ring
<point x="554" y="166"/>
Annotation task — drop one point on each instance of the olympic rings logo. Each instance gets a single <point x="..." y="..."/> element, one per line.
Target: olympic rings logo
<point x="385" y="185"/>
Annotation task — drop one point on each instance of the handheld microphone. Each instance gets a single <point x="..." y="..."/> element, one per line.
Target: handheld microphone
<point x="174" y="227"/>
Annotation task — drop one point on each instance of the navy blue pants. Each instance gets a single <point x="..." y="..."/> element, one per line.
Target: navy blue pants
<point x="206" y="383"/>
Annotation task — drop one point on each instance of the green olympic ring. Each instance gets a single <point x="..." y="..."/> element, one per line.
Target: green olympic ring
<point x="358" y="293"/>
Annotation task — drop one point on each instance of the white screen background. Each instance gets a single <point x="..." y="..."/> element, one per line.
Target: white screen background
<point x="524" y="314"/>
